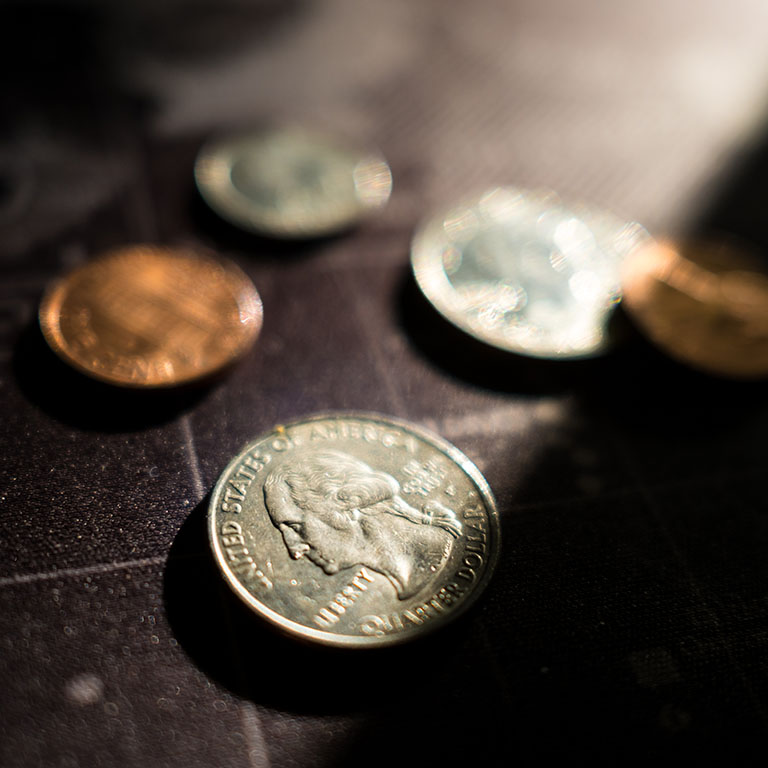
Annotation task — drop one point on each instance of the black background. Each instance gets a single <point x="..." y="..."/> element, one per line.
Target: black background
<point x="628" y="618"/>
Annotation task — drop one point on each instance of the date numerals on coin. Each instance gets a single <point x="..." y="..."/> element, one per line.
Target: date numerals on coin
<point x="238" y="557"/>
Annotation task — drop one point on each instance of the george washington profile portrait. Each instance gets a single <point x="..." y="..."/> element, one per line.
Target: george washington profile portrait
<point x="338" y="512"/>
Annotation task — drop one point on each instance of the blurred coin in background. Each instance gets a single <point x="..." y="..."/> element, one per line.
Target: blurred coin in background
<point x="523" y="272"/>
<point x="150" y="316"/>
<point x="703" y="303"/>
<point x="291" y="182"/>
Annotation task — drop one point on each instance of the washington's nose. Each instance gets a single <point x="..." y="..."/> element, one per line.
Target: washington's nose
<point x="298" y="550"/>
<point x="296" y="547"/>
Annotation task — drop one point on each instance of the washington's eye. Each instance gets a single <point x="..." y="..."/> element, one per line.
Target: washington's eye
<point x="294" y="526"/>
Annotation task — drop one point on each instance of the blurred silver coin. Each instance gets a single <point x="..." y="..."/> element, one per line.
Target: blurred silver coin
<point x="521" y="271"/>
<point x="354" y="530"/>
<point x="291" y="182"/>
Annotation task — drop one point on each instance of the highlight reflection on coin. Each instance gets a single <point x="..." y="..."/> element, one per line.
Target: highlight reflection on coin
<point x="519" y="270"/>
<point x="705" y="304"/>
<point x="290" y="182"/>
<point x="354" y="530"/>
<point x="145" y="316"/>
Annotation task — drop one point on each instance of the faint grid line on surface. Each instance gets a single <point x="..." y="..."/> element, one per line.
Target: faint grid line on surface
<point x="708" y="603"/>
<point x="258" y="755"/>
<point x="86" y="570"/>
<point x="194" y="459"/>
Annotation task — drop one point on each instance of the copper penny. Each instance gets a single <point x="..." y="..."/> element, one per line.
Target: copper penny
<point x="146" y="316"/>
<point x="705" y="304"/>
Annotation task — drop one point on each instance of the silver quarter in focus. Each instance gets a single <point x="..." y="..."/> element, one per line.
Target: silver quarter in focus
<point x="354" y="530"/>
<point x="521" y="271"/>
<point x="290" y="182"/>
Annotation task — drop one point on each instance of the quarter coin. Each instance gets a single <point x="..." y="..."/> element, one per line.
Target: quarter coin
<point x="290" y="182"/>
<point x="525" y="273"/>
<point x="703" y="303"/>
<point x="146" y="316"/>
<point x="354" y="530"/>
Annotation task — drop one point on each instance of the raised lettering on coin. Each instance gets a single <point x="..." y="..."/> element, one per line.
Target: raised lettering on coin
<point x="362" y="522"/>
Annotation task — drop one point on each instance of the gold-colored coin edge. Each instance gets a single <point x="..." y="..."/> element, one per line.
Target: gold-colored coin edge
<point x="647" y="267"/>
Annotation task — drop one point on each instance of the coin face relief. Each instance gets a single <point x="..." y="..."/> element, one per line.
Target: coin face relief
<point x="291" y="182"/>
<point x="521" y="271"/>
<point x="354" y="530"/>
<point x="704" y="303"/>
<point x="145" y="316"/>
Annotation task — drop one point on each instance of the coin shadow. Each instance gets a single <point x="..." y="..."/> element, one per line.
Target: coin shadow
<point x="233" y="646"/>
<point x="79" y="401"/>
<point x="474" y="362"/>
<point x="647" y="391"/>
<point x="224" y="236"/>
<point x="651" y="392"/>
<point x="634" y="386"/>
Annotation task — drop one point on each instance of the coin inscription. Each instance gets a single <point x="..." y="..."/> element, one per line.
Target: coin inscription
<point x="146" y="316"/>
<point x="369" y="530"/>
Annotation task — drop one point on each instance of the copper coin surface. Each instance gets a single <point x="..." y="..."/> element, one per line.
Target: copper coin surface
<point x="705" y="304"/>
<point x="149" y="316"/>
<point x="354" y="530"/>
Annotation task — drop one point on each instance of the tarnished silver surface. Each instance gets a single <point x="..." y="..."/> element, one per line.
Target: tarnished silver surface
<point x="354" y="530"/>
<point x="291" y="182"/>
<point x="521" y="271"/>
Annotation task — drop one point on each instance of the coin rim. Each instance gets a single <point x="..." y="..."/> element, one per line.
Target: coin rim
<point x="296" y="630"/>
<point x="638" y="314"/>
<point x="230" y="204"/>
<point x="423" y="267"/>
<point x="49" y="315"/>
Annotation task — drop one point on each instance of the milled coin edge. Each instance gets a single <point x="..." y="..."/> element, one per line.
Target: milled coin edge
<point x="298" y="631"/>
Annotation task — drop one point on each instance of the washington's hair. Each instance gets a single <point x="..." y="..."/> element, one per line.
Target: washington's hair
<point x="353" y="488"/>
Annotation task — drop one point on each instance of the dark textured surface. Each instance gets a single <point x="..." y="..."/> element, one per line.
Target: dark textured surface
<point x="628" y="618"/>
